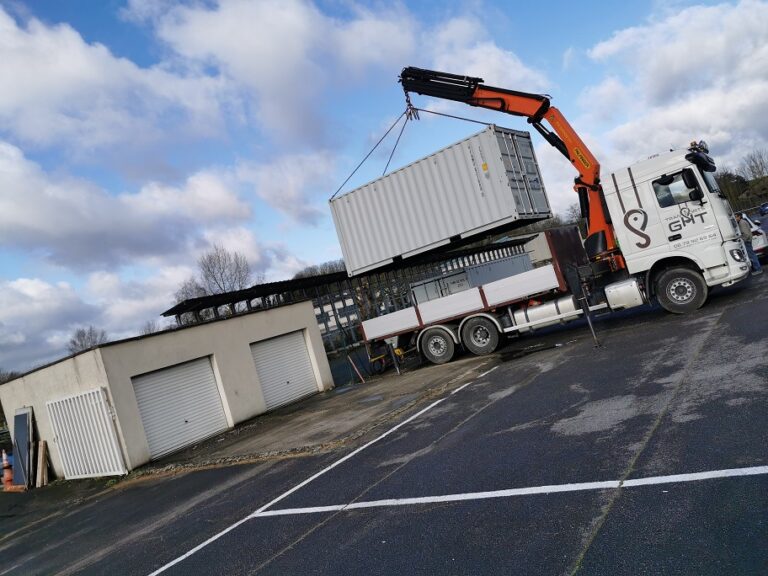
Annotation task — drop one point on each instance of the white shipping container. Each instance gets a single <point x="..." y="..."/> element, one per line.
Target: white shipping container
<point x="488" y="181"/>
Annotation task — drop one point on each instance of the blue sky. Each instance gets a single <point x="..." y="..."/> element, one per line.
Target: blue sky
<point x="136" y="134"/>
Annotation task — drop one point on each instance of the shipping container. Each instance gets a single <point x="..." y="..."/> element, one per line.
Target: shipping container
<point x="485" y="183"/>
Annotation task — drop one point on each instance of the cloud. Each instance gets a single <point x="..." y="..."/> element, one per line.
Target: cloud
<point x="697" y="48"/>
<point x="291" y="183"/>
<point x="699" y="73"/>
<point x="35" y="320"/>
<point x="610" y="90"/>
<point x="239" y="38"/>
<point x="68" y="92"/>
<point x="75" y="224"/>
<point x="461" y="46"/>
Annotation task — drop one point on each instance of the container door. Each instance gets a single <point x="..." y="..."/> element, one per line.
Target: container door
<point x="179" y="406"/>
<point x="284" y="369"/>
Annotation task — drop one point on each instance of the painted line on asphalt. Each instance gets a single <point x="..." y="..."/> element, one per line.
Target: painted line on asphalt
<point x="551" y="489"/>
<point x="460" y="388"/>
<point x="261" y="510"/>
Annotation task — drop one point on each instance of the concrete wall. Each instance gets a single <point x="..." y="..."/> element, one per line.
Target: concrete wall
<point x="66" y="378"/>
<point x="227" y="342"/>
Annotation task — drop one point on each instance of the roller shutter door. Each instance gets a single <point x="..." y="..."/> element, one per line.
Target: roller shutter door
<point x="179" y="406"/>
<point x="284" y="369"/>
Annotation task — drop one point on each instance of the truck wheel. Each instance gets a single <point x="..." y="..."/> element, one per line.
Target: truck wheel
<point x="480" y="336"/>
<point x="437" y="346"/>
<point x="681" y="290"/>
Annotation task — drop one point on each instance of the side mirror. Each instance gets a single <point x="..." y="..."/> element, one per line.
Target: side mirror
<point x="689" y="179"/>
<point x="757" y="222"/>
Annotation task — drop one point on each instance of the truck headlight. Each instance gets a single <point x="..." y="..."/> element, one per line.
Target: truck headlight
<point x="738" y="255"/>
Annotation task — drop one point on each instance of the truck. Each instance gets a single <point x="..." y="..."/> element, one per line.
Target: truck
<point x="659" y="229"/>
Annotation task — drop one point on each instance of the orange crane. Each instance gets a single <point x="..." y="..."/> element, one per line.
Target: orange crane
<point x="600" y="243"/>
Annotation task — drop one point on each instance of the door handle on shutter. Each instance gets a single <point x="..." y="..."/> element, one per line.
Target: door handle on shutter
<point x="675" y="237"/>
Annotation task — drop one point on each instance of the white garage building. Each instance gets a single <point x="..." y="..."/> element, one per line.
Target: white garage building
<point x="113" y="408"/>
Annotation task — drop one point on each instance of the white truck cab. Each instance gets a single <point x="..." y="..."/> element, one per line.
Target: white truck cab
<point x="669" y="214"/>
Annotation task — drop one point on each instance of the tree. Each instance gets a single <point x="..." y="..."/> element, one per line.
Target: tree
<point x="572" y="214"/>
<point x="85" y="338"/>
<point x="755" y="164"/>
<point x="189" y="289"/>
<point x="150" y="327"/>
<point x="219" y="271"/>
<point x="732" y="184"/>
<point x="8" y="375"/>
<point x="319" y="269"/>
<point x="223" y="271"/>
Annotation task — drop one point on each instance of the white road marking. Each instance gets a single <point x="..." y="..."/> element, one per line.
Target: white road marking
<point x="460" y="388"/>
<point x="261" y="510"/>
<point x="606" y="485"/>
<point x="728" y="473"/>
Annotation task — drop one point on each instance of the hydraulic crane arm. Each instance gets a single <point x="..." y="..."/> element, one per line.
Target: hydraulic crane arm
<point x="600" y="242"/>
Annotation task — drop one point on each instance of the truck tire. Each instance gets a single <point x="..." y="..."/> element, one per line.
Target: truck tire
<point x="437" y="346"/>
<point x="480" y="336"/>
<point x="681" y="290"/>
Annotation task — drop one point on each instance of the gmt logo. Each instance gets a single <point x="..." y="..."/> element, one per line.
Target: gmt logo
<point x="686" y="218"/>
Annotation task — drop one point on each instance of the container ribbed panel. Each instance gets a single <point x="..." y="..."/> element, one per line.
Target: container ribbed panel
<point x="487" y="181"/>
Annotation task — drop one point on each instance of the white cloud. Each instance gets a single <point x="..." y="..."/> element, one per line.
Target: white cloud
<point x="125" y="305"/>
<point x="73" y="223"/>
<point x="611" y="91"/>
<point x="284" y="52"/>
<point x="569" y="56"/>
<point x="34" y="316"/>
<point x="461" y="46"/>
<point x="66" y="91"/>
<point x="205" y="196"/>
<point x="697" y="48"/>
<point x="697" y="73"/>
<point x="372" y="39"/>
<point x="292" y="184"/>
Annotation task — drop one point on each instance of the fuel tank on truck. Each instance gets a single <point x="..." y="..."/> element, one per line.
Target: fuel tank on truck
<point x="486" y="183"/>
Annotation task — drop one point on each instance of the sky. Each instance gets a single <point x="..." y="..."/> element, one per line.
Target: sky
<point x="135" y="134"/>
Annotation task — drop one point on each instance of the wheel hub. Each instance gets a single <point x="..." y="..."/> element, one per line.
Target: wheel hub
<point x="681" y="290"/>
<point x="437" y="346"/>
<point x="481" y="335"/>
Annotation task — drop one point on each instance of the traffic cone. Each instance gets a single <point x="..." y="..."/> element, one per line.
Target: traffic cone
<point x="7" y="472"/>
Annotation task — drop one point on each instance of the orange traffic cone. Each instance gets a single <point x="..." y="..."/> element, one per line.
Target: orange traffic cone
<point x="7" y="472"/>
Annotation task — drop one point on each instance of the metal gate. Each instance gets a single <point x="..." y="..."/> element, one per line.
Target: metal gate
<point x="84" y="431"/>
<point x="284" y="369"/>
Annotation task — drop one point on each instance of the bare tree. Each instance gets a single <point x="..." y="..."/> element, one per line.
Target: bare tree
<point x="85" y="338"/>
<point x="318" y="269"/>
<point x="8" y="375"/>
<point x="223" y="271"/>
<point x="189" y="289"/>
<point x="219" y="271"/>
<point x="755" y="164"/>
<point x="150" y="327"/>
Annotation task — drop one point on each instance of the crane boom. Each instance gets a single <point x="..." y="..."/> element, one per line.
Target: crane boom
<point x="600" y="243"/>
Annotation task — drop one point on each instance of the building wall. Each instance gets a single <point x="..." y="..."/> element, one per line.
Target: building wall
<point x="227" y="342"/>
<point x="66" y="378"/>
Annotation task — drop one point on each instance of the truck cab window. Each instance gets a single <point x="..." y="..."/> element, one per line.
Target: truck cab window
<point x="671" y="190"/>
<point x="712" y="185"/>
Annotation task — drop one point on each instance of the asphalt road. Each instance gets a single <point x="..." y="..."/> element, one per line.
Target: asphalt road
<point x="443" y="493"/>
